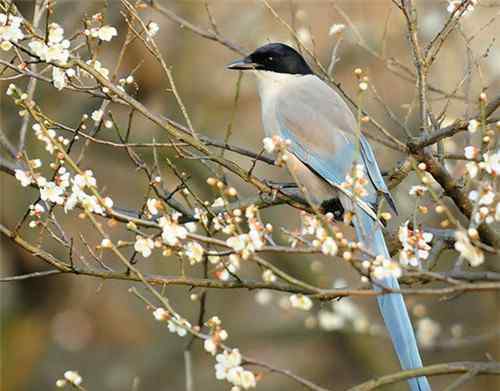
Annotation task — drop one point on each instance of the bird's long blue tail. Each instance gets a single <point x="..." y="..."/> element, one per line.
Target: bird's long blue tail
<point x="392" y="306"/>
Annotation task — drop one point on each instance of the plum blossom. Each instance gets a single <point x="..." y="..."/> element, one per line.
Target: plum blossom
<point x="228" y="367"/>
<point x="467" y="250"/>
<point x="330" y="321"/>
<point x="491" y="163"/>
<point x="336" y="28"/>
<point x="210" y="346"/>
<point x="85" y="180"/>
<point x="453" y="5"/>
<point x="386" y="269"/>
<point x="73" y="377"/>
<point x="415" y="245"/>
<point x="427" y="332"/>
<point x="195" y="252"/>
<point x="153" y="29"/>
<point x="277" y="145"/>
<point x="473" y="125"/>
<point x="225" y="269"/>
<point x="99" y="68"/>
<point x="301" y="302"/>
<point x="58" y="78"/>
<point x="104" y="33"/>
<point x="144" y="245"/>
<point x="329" y="247"/>
<point x="242" y="244"/>
<point x="10" y="30"/>
<point x="226" y="361"/>
<point x="172" y="231"/>
<point x="472" y="169"/>
<point x="46" y="138"/>
<point x="417" y="191"/>
<point x="356" y="181"/>
<point x="56" y="50"/>
<point x="24" y="177"/>
<point x="179" y="327"/>
<point x="97" y="116"/>
<point x="53" y="193"/>
<point x="161" y="314"/>
<point x="152" y="205"/>
<point x="269" y="276"/>
<point x="471" y="152"/>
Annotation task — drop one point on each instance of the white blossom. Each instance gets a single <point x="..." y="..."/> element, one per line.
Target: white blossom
<point x="58" y="78"/>
<point x="24" y="177"/>
<point x="10" y="30"/>
<point x="106" y="33"/>
<point x="336" y="28"/>
<point x="304" y="35"/>
<point x="467" y="250"/>
<point x="180" y="330"/>
<point x="73" y="377"/>
<point x="99" y="68"/>
<point x="492" y="162"/>
<point x="473" y="125"/>
<point x="471" y="152"/>
<point x="97" y="116"/>
<point x="472" y="169"/>
<point x="194" y="251"/>
<point x="161" y="314"/>
<point x="171" y="230"/>
<point x="210" y="346"/>
<point x="226" y="361"/>
<point x="330" y="321"/>
<point x="269" y="144"/>
<point x="415" y="245"/>
<point x="153" y="29"/>
<point x="144" y="245"/>
<point x="417" y="191"/>
<point x="152" y="205"/>
<point x="242" y="244"/>
<point x="329" y="247"/>
<point x="387" y="269"/>
<point x="53" y="193"/>
<point x="454" y="4"/>
<point x="268" y="276"/>
<point x="301" y="302"/>
<point x="427" y="332"/>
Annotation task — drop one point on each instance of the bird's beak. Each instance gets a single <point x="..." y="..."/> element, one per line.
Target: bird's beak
<point x="242" y="64"/>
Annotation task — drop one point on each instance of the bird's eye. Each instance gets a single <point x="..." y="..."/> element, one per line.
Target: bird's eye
<point x="270" y="58"/>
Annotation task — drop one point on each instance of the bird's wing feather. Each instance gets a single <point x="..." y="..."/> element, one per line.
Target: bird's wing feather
<point x="322" y="135"/>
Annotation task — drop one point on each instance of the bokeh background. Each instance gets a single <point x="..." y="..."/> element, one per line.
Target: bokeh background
<point x="52" y="324"/>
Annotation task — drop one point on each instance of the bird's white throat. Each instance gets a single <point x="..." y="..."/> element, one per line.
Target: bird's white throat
<point x="269" y="83"/>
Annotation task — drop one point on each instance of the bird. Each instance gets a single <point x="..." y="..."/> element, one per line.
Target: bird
<point x="323" y="147"/>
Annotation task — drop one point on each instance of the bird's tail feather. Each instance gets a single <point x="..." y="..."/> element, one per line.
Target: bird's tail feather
<point x="392" y="306"/>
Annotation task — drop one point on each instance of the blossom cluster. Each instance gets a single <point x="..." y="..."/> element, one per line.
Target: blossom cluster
<point x="175" y="323"/>
<point x="70" y="377"/>
<point x="217" y="335"/>
<point x="278" y="146"/>
<point x="415" y="244"/>
<point x="10" y="30"/>
<point x="356" y="181"/>
<point x="228" y="367"/>
<point x="315" y="229"/>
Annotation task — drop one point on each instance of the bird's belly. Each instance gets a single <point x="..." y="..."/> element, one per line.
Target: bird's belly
<point x="314" y="188"/>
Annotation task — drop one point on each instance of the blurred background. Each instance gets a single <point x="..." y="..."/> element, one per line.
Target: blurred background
<point x="53" y="324"/>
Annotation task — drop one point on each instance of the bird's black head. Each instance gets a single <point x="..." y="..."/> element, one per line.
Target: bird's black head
<point x="274" y="57"/>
